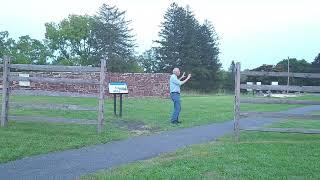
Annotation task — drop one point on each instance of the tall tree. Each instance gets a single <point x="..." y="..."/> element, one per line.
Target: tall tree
<point x="185" y="43"/>
<point x="229" y="77"/>
<point x="316" y="64"/>
<point x="70" y="40"/>
<point x="111" y="37"/>
<point x="6" y="44"/>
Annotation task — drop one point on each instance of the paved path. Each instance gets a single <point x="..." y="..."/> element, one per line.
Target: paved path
<point x="71" y="164"/>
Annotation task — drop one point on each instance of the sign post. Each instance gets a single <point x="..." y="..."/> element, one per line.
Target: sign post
<point x="118" y="88"/>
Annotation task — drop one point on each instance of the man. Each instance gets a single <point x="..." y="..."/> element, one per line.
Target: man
<point x="175" y="84"/>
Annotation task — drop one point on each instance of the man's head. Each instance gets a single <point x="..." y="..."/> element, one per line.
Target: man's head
<point x="176" y="71"/>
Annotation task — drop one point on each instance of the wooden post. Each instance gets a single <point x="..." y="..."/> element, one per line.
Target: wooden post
<point x="5" y="91"/>
<point x="101" y="95"/>
<point x="120" y="114"/>
<point x="115" y="104"/>
<point x="237" y="104"/>
<point x="288" y="75"/>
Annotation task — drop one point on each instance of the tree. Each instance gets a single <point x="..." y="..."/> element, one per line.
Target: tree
<point x="187" y="44"/>
<point x="229" y="77"/>
<point x="70" y="40"/>
<point x="263" y="80"/>
<point x="316" y="64"/>
<point x="111" y="37"/>
<point x="6" y="44"/>
<point x="84" y="40"/>
<point x="297" y="66"/>
<point x="206" y="64"/>
<point x="30" y="51"/>
<point x="148" y="61"/>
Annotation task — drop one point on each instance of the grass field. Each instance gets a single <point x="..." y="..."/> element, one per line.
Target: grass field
<point x="316" y="113"/>
<point x="308" y="124"/>
<point x="258" y="156"/>
<point x="140" y="116"/>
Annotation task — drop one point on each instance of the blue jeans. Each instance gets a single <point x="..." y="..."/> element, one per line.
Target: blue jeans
<point x="176" y="106"/>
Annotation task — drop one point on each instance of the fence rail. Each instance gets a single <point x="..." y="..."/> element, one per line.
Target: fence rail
<point x="280" y="115"/>
<point x="53" y="120"/>
<point x="277" y="101"/>
<point x="238" y="99"/>
<point x="284" y="130"/>
<point x="53" y="68"/>
<point x="281" y="74"/>
<point x="312" y="89"/>
<point x="55" y="80"/>
<point x="51" y="93"/>
<point x="7" y="78"/>
<point x="68" y="107"/>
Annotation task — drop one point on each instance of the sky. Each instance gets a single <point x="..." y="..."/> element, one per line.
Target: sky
<point x="253" y="32"/>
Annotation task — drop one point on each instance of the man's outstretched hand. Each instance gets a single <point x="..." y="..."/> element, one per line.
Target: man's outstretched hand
<point x="183" y="75"/>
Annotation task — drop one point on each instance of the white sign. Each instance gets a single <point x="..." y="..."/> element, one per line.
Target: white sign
<point x="274" y="83"/>
<point x="118" y="88"/>
<point x="24" y="83"/>
<point x="249" y="83"/>
<point x="259" y="83"/>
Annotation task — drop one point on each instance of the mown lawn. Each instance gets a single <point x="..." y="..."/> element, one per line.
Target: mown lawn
<point x="147" y="115"/>
<point x="259" y="155"/>
<point x="307" y="124"/>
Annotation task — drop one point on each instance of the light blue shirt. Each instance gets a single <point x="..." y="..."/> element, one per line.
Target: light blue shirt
<point x="175" y="84"/>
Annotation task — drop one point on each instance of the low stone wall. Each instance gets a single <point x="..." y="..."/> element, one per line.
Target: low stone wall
<point x="139" y="84"/>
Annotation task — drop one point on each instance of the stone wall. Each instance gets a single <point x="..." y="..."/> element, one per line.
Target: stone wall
<point x="139" y="84"/>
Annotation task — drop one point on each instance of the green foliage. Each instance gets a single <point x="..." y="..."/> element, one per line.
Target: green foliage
<point x="84" y="40"/>
<point x="30" y="51"/>
<point x="296" y="66"/>
<point x="25" y="51"/>
<point x="111" y="38"/>
<point x="228" y="78"/>
<point x="70" y="40"/>
<point x="187" y="44"/>
<point x="316" y="64"/>
<point x="148" y="61"/>
<point x="6" y="44"/>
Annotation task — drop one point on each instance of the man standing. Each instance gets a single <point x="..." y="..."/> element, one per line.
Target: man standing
<point x="175" y="84"/>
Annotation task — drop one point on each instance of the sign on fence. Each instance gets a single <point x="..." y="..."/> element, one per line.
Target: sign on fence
<point x="24" y="83"/>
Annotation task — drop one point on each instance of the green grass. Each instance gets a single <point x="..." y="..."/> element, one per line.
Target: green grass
<point x="308" y="97"/>
<point x="22" y="139"/>
<point x="257" y="156"/>
<point x="155" y="112"/>
<point x="316" y="113"/>
<point x="308" y="124"/>
<point x="26" y="139"/>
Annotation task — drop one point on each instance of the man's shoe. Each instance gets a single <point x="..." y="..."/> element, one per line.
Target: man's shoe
<point x="175" y="122"/>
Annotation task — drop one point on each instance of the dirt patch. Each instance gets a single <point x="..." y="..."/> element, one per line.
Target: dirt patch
<point x="136" y="127"/>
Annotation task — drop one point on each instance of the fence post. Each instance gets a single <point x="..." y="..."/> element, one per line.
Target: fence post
<point x="101" y="95"/>
<point x="237" y="104"/>
<point x="5" y="91"/>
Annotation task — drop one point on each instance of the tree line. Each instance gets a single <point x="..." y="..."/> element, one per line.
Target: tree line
<point x="182" y="42"/>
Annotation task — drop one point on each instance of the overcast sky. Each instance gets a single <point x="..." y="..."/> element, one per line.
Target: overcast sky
<point x="253" y="32"/>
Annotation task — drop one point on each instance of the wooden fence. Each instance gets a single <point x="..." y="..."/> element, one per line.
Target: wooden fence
<point x="238" y="100"/>
<point x="8" y="78"/>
